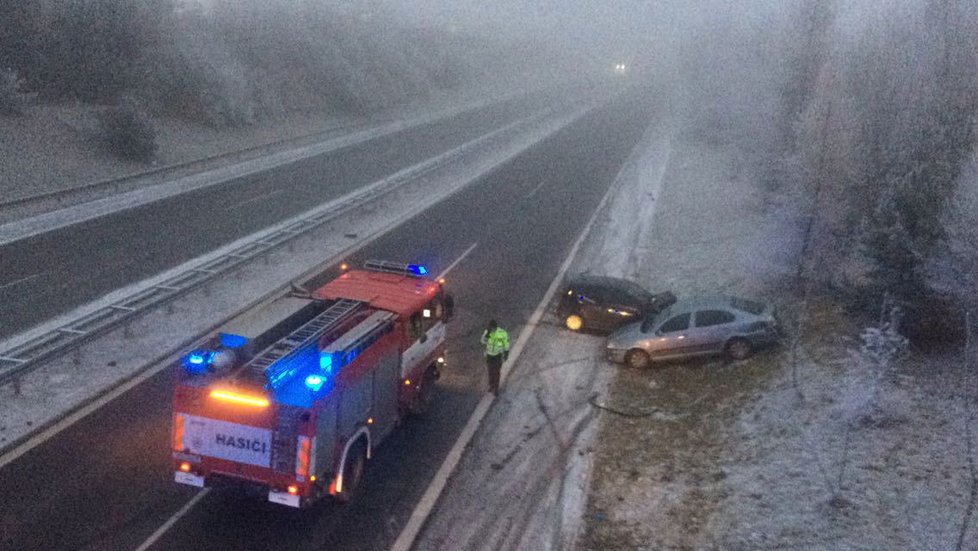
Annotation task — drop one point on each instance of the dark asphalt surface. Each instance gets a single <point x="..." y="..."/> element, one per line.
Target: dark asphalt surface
<point x="106" y="483"/>
<point x="71" y="266"/>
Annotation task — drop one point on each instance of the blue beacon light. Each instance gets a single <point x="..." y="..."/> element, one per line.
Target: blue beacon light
<point x="315" y="382"/>
<point x="417" y="269"/>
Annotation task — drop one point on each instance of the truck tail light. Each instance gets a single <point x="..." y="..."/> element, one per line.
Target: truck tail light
<point x="303" y="456"/>
<point x="178" y="421"/>
<point x="293" y="489"/>
<point x="185" y="467"/>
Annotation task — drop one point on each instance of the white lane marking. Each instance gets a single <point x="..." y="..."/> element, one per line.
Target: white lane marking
<point x="534" y="190"/>
<point x="173" y="520"/>
<point x="82" y="412"/>
<point x="22" y="280"/>
<point x="190" y="504"/>
<point x="258" y="198"/>
<point x="457" y="260"/>
<point x="423" y="509"/>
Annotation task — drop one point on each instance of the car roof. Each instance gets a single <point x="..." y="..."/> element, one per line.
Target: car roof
<point x="724" y="302"/>
<point x="586" y="280"/>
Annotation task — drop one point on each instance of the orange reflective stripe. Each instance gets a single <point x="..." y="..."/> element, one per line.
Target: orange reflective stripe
<point x="178" y="432"/>
<point x="303" y="453"/>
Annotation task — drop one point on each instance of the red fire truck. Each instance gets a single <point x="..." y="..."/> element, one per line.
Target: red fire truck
<point x="294" y="396"/>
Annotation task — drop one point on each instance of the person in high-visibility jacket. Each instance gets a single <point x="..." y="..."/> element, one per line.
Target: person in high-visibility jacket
<point x="496" y="341"/>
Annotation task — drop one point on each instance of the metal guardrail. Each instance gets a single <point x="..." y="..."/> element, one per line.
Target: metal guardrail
<point x="19" y="360"/>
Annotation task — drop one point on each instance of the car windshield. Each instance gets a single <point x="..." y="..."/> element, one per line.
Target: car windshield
<point x="653" y="320"/>
<point x="636" y="292"/>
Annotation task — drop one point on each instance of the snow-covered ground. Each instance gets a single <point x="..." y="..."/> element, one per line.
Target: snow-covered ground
<point x="800" y="447"/>
<point x="47" y="393"/>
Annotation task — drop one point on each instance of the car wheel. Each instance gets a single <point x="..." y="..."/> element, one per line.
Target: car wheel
<point x="637" y="359"/>
<point x="739" y="349"/>
<point x="574" y="322"/>
<point x="353" y="472"/>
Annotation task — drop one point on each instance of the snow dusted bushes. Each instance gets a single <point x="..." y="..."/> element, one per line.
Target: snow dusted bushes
<point x="885" y="109"/>
<point x="226" y="62"/>
<point x="128" y="131"/>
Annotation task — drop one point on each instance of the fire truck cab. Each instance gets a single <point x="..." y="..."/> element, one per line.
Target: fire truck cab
<point x="294" y="396"/>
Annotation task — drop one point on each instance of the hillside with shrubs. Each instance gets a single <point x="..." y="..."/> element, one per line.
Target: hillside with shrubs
<point x="222" y="63"/>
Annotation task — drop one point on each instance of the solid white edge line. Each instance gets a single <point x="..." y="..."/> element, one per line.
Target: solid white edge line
<point x="426" y="504"/>
<point x="457" y="260"/>
<point x="173" y="520"/>
<point x="79" y="414"/>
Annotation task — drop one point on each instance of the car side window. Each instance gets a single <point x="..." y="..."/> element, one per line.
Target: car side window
<point x="677" y="323"/>
<point x="706" y="318"/>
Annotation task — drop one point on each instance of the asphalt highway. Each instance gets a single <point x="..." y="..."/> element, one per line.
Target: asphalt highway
<point x="106" y="482"/>
<point x="51" y="273"/>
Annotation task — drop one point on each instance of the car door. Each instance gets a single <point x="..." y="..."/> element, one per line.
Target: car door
<point x="620" y="308"/>
<point x="669" y="338"/>
<point x="711" y="329"/>
<point x="590" y="308"/>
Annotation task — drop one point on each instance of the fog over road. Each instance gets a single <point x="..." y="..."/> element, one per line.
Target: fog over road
<point x="106" y="482"/>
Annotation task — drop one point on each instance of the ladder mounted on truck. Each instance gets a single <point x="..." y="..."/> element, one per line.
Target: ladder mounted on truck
<point x="262" y="367"/>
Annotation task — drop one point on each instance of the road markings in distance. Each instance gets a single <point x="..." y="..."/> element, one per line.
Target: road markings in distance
<point x="426" y="504"/>
<point x="267" y="195"/>
<point x="22" y="280"/>
<point x="535" y="190"/>
<point x="173" y="520"/>
<point x="457" y="260"/>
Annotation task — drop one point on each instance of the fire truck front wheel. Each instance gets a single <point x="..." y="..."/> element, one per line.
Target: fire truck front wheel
<point x="356" y="463"/>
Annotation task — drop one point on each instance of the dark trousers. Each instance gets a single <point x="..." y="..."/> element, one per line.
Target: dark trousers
<point x="494" y="365"/>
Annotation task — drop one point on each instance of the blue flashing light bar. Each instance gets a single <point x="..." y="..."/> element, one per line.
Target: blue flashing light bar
<point x="413" y="270"/>
<point x="326" y="362"/>
<point x="285" y="368"/>
<point x="229" y="340"/>
<point x="315" y="382"/>
<point x="197" y="361"/>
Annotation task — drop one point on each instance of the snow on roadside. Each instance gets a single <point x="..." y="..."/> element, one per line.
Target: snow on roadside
<point x="736" y="455"/>
<point x="522" y="483"/>
<point x="67" y="383"/>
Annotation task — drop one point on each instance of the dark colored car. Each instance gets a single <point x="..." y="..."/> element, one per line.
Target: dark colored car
<point x="601" y="304"/>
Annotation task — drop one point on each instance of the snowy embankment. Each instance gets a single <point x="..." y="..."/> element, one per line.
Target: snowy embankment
<point x="522" y="481"/>
<point x="151" y="340"/>
<point x="801" y="447"/>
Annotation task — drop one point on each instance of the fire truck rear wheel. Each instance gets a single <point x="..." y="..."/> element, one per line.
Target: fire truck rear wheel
<point x="356" y="462"/>
<point x="426" y="392"/>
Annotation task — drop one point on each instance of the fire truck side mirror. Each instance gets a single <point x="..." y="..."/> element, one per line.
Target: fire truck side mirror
<point x="449" y="304"/>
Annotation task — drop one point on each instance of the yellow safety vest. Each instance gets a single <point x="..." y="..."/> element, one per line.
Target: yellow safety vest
<point x="496" y="342"/>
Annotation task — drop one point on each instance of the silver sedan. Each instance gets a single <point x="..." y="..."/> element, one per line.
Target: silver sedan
<point x="696" y="327"/>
